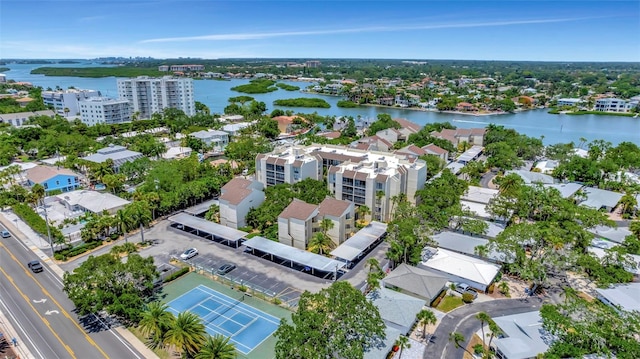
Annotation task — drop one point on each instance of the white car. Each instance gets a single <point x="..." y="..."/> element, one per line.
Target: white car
<point x="189" y="253"/>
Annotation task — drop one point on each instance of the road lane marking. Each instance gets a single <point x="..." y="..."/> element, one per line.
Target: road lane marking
<point x="46" y="322"/>
<point x="24" y="333"/>
<point x="43" y="300"/>
<point x="53" y="311"/>
<point x="46" y="292"/>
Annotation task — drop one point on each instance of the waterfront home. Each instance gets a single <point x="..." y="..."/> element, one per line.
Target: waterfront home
<point x="472" y="136"/>
<point x="53" y="178"/>
<point x="569" y="102"/>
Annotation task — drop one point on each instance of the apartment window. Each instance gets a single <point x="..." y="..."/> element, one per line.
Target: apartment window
<point x="68" y="180"/>
<point x="379" y="186"/>
<point x="57" y="183"/>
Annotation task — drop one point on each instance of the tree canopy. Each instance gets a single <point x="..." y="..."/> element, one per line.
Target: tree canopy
<point x="337" y="322"/>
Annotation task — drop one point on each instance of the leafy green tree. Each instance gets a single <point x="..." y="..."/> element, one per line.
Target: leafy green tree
<point x="187" y="334"/>
<point x="582" y="327"/>
<point x="383" y="122"/>
<point x="100" y="283"/>
<point x="217" y="347"/>
<point x="156" y="321"/>
<point x="336" y="322"/>
<point x="268" y="128"/>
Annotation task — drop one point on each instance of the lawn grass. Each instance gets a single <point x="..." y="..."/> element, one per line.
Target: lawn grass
<point x="162" y="353"/>
<point x="450" y="303"/>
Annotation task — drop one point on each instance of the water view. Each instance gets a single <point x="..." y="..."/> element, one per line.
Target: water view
<point x="214" y="94"/>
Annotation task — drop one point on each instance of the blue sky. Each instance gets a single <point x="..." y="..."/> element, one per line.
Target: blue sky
<point x="483" y="30"/>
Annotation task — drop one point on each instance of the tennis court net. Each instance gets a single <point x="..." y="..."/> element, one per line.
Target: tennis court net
<point x="228" y="306"/>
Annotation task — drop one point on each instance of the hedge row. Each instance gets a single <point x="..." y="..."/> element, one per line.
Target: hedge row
<point x="75" y="251"/>
<point x="36" y="222"/>
<point x="179" y="273"/>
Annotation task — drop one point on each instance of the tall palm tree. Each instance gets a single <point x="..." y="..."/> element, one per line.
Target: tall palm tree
<point x="156" y="321"/>
<point x="426" y="317"/>
<point x="217" y="347"/>
<point x="139" y="214"/>
<point x="38" y="192"/>
<point x="363" y="211"/>
<point x="187" y="333"/>
<point x="124" y="222"/>
<point x="402" y="343"/>
<point x="456" y="338"/>
<point x="326" y="225"/>
<point x="320" y="243"/>
<point x="483" y="317"/>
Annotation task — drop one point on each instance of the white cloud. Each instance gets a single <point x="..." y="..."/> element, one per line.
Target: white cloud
<point x="267" y="35"/>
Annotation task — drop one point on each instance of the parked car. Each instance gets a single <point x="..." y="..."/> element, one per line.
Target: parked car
<point x="189" y="253"/>
<point x="465" y="288"/>
<point x="35" y="266"/>
<point x="5" y="234"/>
<point x="226" y="268"/>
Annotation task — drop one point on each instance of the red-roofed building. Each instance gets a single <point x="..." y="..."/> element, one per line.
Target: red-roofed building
<point x="473" y="136"/>
<point x="465" y="106"/>
<point x="432" y="149"/>
<point x="296" y="224"/>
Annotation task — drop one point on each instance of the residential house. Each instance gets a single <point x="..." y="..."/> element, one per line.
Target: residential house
<point x="523" y="336"/>
<point x="569" y="102"/>
<point x="465" y="106"/>
<point x="472" y="136"/>
<point x="456" y="267"/>
<point x="547" y="166"/>
<point x="297" y="224"/>
<point x="83" y="201"/>
<point x="287" y="124"/>
<point x="566" y="190"/>
<point x="411" y="151"/>
<point x="177" y="152"/>
<point x="118" y="154"/>
<point x="216" y="140"/>
<point x="372" y="143"/>
<point x="624" y="297"/>
<point x="231" y="118"/>
<point x="532" y="177"/>
<point x="612" y="105"/>
<point x="600" y="198"/>
<point x="237" y="197"/>
<point x="416" y="282"/>
<point x="53" y="178"/>
<point x="234" y="129"/>
<point x="476" y="200"/>
<point x="341" y="214"/>
<point x="432" y="149"/>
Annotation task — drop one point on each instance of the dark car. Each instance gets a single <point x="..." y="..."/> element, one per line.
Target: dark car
<point x="35" y="266"/>
<point x="226" y="268"/>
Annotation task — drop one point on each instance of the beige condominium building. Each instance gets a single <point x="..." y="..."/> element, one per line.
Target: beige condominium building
<point x="366" y="178"/>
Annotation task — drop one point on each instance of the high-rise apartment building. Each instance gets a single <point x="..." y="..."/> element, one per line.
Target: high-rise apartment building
<point x="96" y="110"/>
<point x="366" y="178"/>
<point x="65" y="102"/>
<point x="149" y="95"/>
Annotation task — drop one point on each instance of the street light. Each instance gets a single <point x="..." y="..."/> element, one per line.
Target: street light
<point x="46" y="220"/>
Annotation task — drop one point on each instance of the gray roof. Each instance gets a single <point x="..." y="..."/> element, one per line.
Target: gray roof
<point x="201" y="208"/>
<point x="479" y="194"/>
<point x="623" y="296"/>
<point x="532" y="177"/>
<point x="293" y="254"/>
<point x="207" y="134"/>
<point x="566" y="189"/>
<point x="470" y="154"/>
<point x="354" y="246"/>
<point x="423" y="283"/>
<point x="598" y="198"/>
<point x="212" y="228"/>
<point x="398" y="310"/>
<point x="463" y="243"/>
<point x="615" y="234"/>
<point x="525" y="337"/>
<point x="118" y="154"/>
<point x="381" y="351"/>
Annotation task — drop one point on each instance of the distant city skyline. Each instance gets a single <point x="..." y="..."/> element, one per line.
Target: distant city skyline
<point x="465" y="30"/>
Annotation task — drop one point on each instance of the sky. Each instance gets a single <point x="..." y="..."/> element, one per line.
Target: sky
<point x="579" y="30"/>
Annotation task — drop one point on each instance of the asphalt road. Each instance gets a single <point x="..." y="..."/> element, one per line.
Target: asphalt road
<point x="463" y="321"/>
<point x="43" y="316"/>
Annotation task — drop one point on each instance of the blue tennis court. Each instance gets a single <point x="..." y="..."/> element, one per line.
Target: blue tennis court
<point x="246" y="326"/>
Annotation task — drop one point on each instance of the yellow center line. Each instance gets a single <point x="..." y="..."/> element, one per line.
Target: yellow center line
<point x="62" y="310"/>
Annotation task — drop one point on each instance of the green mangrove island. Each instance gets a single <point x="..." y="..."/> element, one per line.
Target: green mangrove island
<point x="287" y="87"/>
<point x="347" y="104"/>
<point x="303" y="102"/>
<point x="256" y="86"/>
<point x="98" y="71"/>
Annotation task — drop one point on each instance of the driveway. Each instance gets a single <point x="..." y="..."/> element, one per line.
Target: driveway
<point x="463" y="320"/>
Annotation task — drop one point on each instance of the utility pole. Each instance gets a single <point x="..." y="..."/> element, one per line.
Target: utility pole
<point x="46" y="220"/>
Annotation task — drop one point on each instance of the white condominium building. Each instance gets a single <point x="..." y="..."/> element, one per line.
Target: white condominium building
<point x="368" y="178"/>
<point x="614" y="105"/>
<point x="67" y="99"/>
<point x="152" y="95"/>
<point x="96" y="110"/>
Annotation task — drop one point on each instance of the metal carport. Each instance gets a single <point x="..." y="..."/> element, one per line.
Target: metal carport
<point x="209" y="230"/>
<point x="361" y="243"/>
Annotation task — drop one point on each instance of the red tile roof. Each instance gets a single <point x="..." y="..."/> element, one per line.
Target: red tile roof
<point x="298" y="209"/>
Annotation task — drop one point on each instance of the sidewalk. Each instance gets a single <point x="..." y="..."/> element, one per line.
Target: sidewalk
<point x="36" y="244"/>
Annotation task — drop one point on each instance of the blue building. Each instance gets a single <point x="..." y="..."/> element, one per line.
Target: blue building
<point x="53" y="178"/>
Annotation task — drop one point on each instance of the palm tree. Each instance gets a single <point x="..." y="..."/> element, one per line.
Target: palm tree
<point x="326" y="225"/>
<point x="426" y="317"/>
<point x="156" y="321"/>
<point x="402" y="343"/>
<point x="38" y="192"/>
<point x="483" y="317"/>
<point x="124" y="222"/>
<point x="504" y="288"/>
<point x="217" y="347"/>
<point x="140" y="215"/>
<point x="320" y="243"/>
<point x="363" y="211"/>
<point x="456" y="338"/>
<point x="187" y="333"/>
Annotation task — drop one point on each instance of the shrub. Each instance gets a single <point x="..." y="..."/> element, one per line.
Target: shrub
<point x="277" y="301"/>
<point x="242" y="288"/>
<point x="177" y="274"/>
<point x="36" y="222"/>
<point x="467" y="297"/>
<point x="75" y="251"/>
